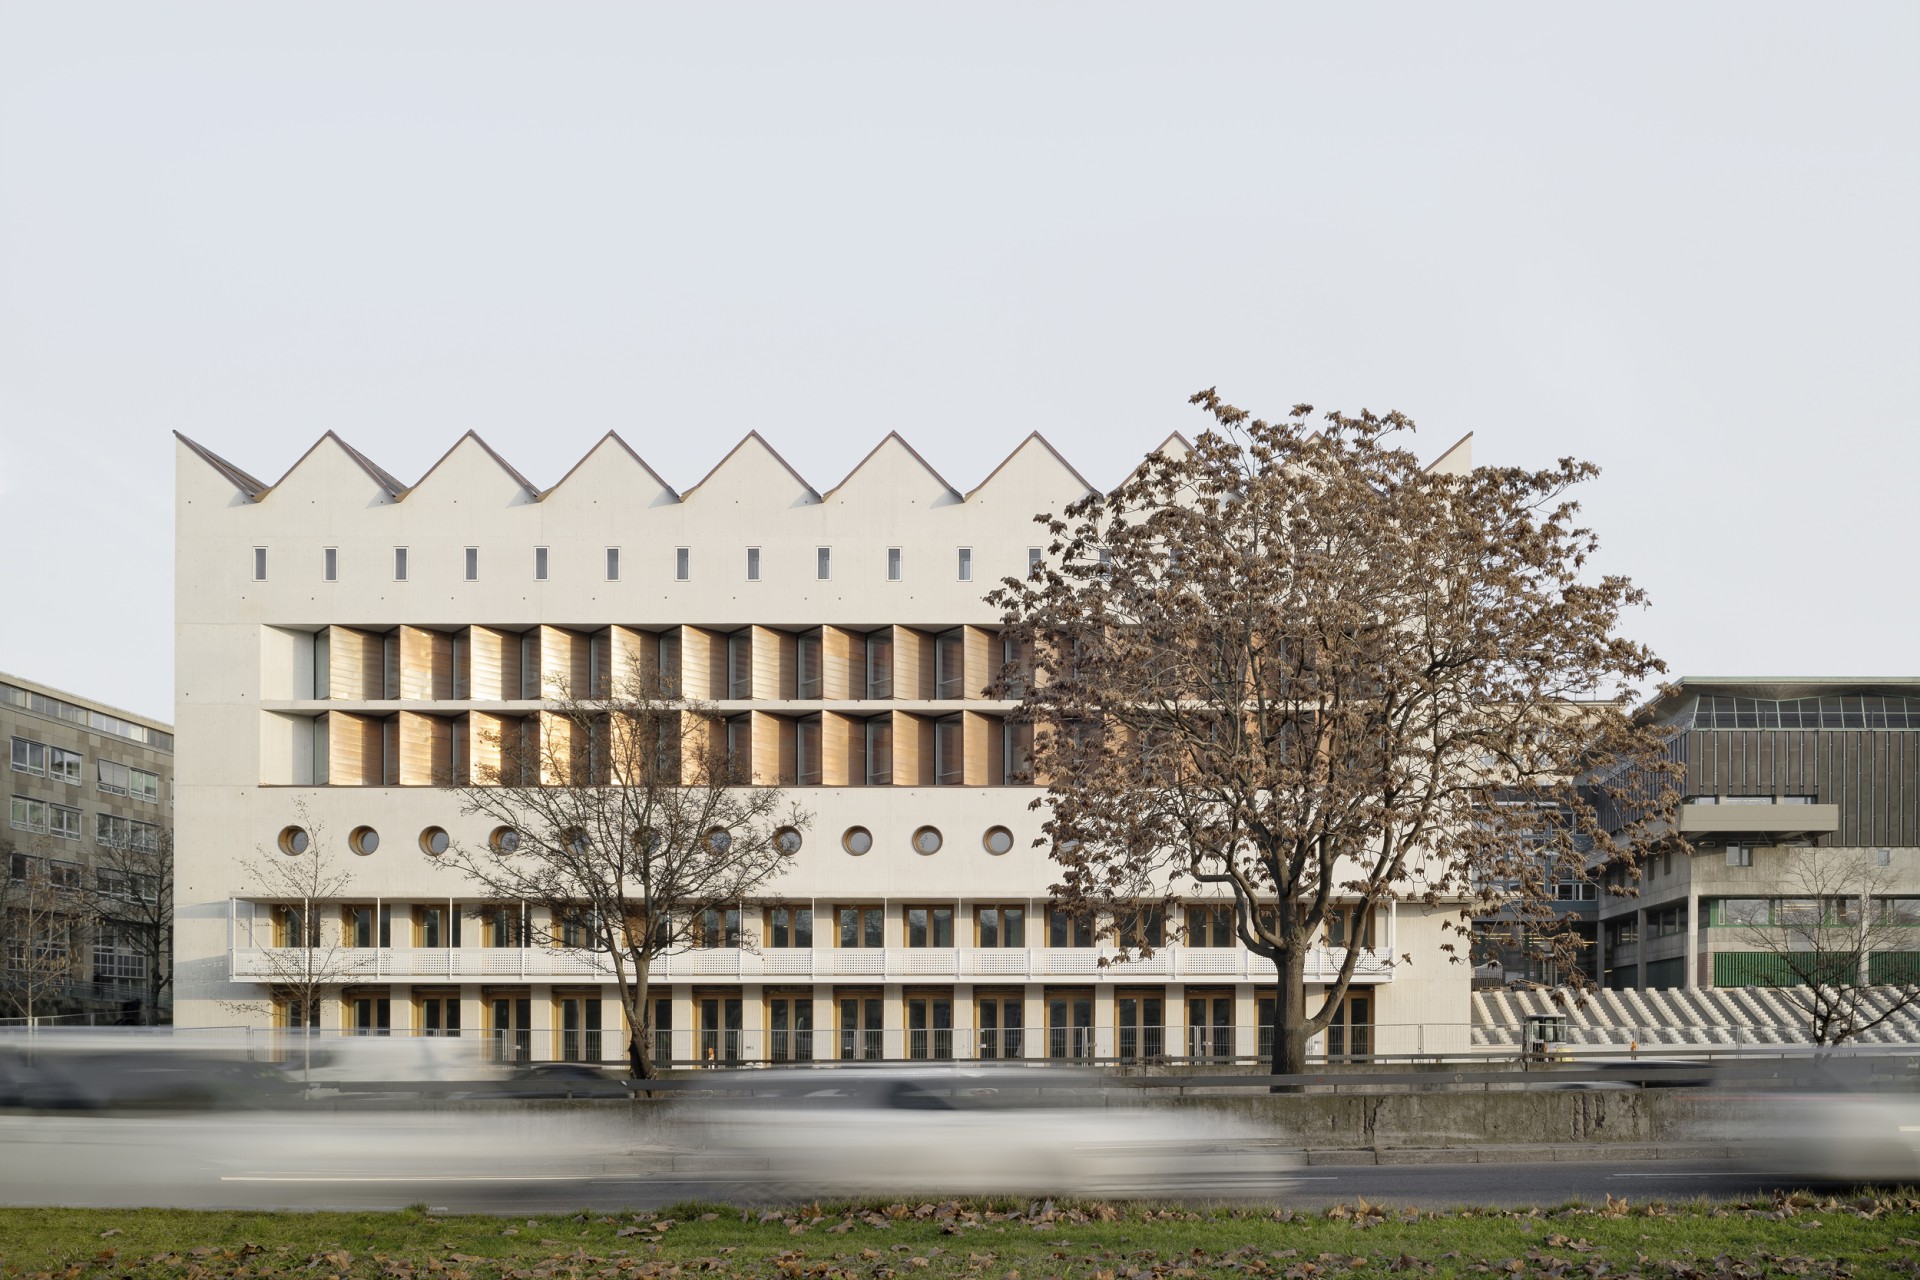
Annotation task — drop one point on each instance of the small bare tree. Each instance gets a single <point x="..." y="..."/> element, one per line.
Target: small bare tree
<point x="1297" y="668"/>
<point x="129" y="901"/>
<point x="625" y="823"/>
<point x="1834" y="915"/>
<point x="301" y="878"/>
<point x="40" y="924"/>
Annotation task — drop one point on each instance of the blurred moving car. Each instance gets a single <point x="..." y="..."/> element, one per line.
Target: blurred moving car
<point x="1640" y="1073"/>
<point x="982" y="1130"/>
<point x="554" y="1080"/>
<point x="1859" y="1135"/>
<point x="62" y="1079"/>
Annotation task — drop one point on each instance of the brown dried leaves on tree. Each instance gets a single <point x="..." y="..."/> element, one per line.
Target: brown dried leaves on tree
<point x="1294" y="665"/>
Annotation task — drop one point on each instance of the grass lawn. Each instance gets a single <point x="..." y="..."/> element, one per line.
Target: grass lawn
<point x="1791" y="1236"/>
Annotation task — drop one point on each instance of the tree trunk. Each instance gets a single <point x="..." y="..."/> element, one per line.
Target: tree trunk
<point x="1290" y="1030"/>
<point x="639" y="1061"/>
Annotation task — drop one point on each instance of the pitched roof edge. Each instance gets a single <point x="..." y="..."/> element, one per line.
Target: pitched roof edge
<point x="504" y="465"/>
<point x="616" y="437"/>
<point x="753" y="436"/>
<point x="1044" y="444"/>
<point x="1450" y="450"/>
<point x="239" y="479"/>
<point x="913" y="452"/>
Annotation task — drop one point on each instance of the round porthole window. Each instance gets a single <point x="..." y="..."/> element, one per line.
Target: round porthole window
<point x="647" y="842"/>
<point x="577" y="840"/>
<point x="787" y="840"/>
<point x="719" y="840"/>
<point x="998" y="840"/>
<point x="504" y="840"/>
<point x="857" y="840"/>
<point x="294" y="841"/>
<point x="434" y="841"/>
<point x="927" y="840"/>
<point x="363" y="840"/>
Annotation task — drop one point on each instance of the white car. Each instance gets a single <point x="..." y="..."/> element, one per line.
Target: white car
<point x="976" y="1130"/>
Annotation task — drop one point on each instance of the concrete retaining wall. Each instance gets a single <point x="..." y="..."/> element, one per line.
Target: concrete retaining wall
<point x="1439" y="1120"/>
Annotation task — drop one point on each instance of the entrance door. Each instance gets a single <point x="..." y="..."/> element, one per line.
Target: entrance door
<point x="860" y="1027"/>
<point x="1142" y="1024"/>
<point x="1000" y="1019"/>
<point x="930" y="1027"/>
<point x="790" y="1028"/>
<point x="719" y="1029"/>
<point x="1210" y="1026"/>
<point x="1070" y="1024"/>
<point x="512" y="1029"/>
<point x="580" y="1028"/>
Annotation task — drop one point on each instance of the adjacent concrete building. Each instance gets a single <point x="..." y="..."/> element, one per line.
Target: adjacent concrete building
<point x="345" y="639"/>
<point x="90" y="809"/>
<point x="1772" y="768"/>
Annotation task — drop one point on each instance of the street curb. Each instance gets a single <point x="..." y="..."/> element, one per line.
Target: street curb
<point x="1559" y="1153"/>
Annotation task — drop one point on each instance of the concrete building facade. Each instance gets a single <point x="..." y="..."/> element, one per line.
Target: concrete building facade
<point x="344" y="639"/>
<point x="90" y="797"/>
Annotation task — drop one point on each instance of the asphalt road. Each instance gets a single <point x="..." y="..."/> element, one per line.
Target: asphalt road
<point x="536" y="1164"/>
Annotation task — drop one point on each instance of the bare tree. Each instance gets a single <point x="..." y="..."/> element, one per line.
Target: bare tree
<point x="1834" y="915"/>
<point x="1293" y="665"/>
<point x="129" y="903"/>
<point x="301" y="878"/>
<point x="40" y="924"/>
<point x="625" y="824"/>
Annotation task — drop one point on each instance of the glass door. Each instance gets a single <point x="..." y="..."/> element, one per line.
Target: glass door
<point x="1070" y="1024"/>
<point x="1000" y="1018"/>
<point x="930" y="1027"/>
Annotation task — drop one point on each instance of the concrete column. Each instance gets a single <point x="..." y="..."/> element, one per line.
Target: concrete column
<point x="1640" y="946"/>
<point x="683" y="1037"/>
<point x="826" y="1041"/>
<point x="1246" y="1020"/>
<point x="1600" y="944"/>
<point x="965" y="1043"/>
<point x="543" y="1035"/>
<point x="893" y="1021"/>
<point x="1175" y="1045"/>
<point x="613" y="1026"/>
<point x="753" y="1022"/>
<point x="473" y="1020"/>
<point x="1690" y="979"/>
<point x="1106" y="1021"/>
<point x="1034" y="1014"/>
<point x="405" y="1017"/>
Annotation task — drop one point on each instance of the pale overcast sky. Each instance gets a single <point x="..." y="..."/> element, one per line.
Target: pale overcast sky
<point x="1677" y="239"/>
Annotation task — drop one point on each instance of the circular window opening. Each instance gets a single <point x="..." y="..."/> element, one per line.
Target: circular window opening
<point x="787" y="840"/>
<point x="719" y="840"/>
<point x="294" y="841"/>
<point x="927" y="840"/>
<point x="857" y="840"/>
<point x="576" y="840"/>
<point x="434" y="841"/>
<point x="997" y="840"/>
<point x="647" y="842"/>
<point x="363" y="840"/>
<point x="503" y="840"/>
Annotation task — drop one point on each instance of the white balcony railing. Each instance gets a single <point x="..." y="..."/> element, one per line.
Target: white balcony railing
<point x="890" y="964"/>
